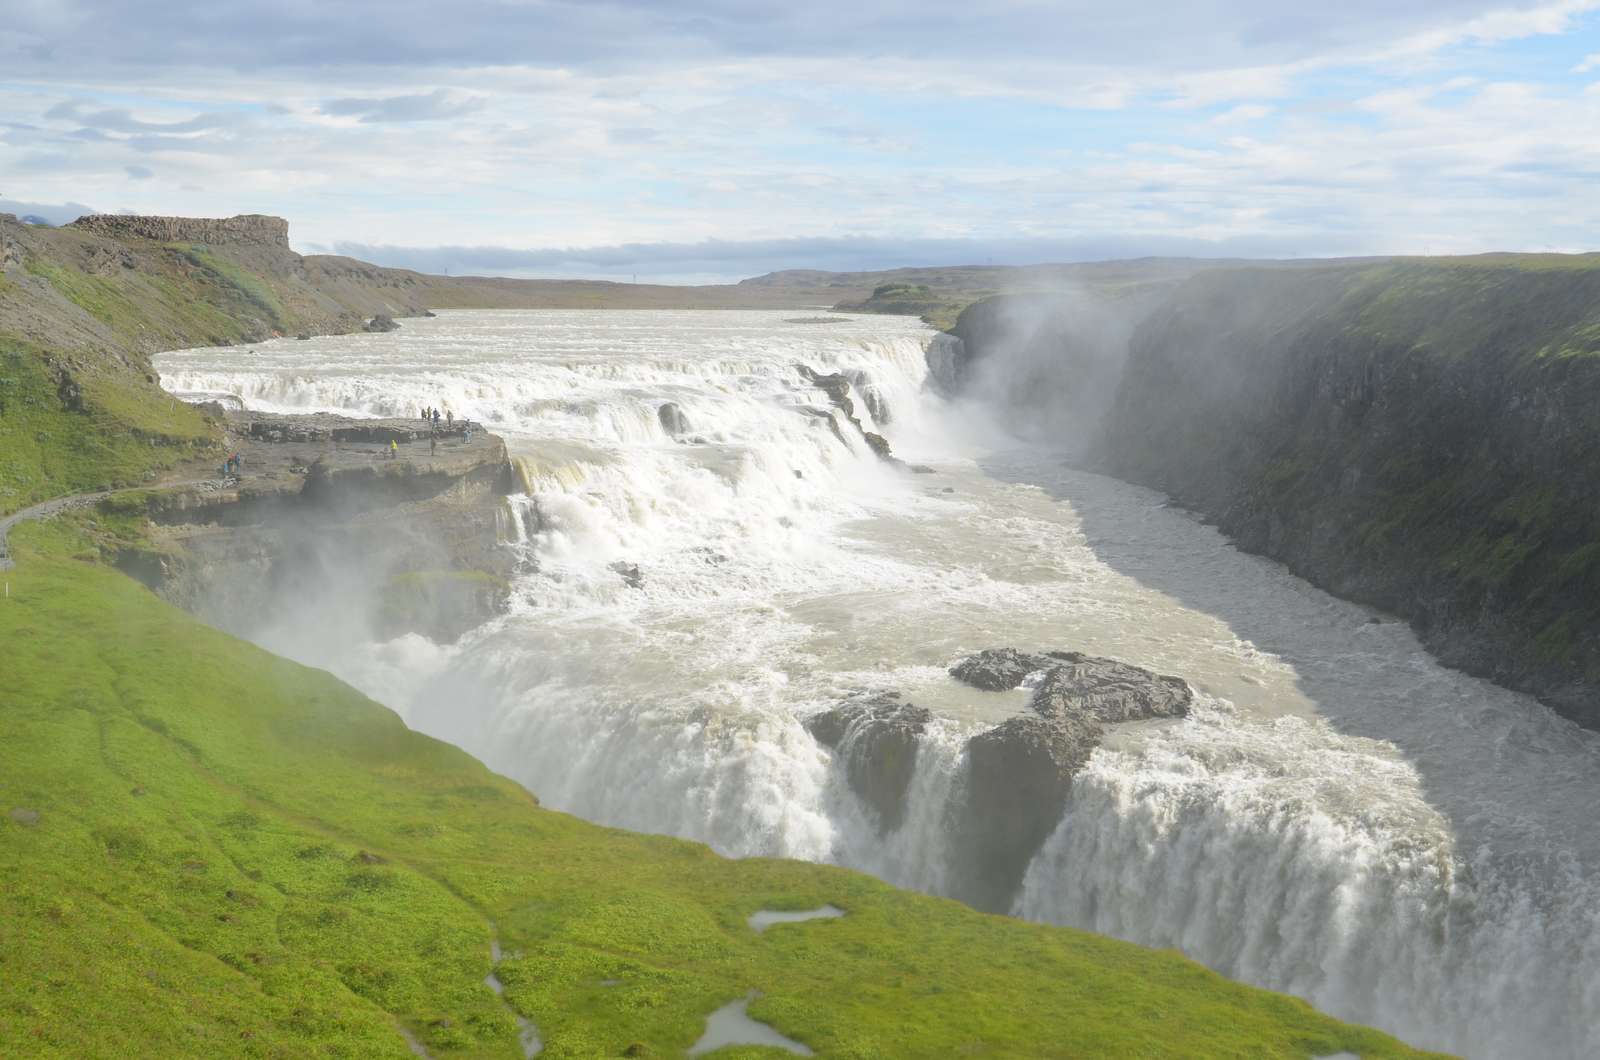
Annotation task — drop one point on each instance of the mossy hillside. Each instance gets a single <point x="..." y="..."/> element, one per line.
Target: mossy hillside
<point x="80" y="404"/>
<point x="116" y="428"/>
<point x="236" y="855"/>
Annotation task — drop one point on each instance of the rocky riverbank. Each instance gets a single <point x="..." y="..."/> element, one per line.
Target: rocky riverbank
<point x="378" y="522"/>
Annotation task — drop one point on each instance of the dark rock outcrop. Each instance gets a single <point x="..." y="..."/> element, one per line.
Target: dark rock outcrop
<point x="837" y="386"/>
<point x="673" y="419"/>
<point x="1020" y="772"/>
<point x="68" y="391"/>
<point x="1019" y="776"/>
<point x="630" y="574"/>
<point x="327" y="522"/>
<point x="877" y="737"/>
<point x="871" y="396"/>
<point x="381" y="322"/>
<point x="243" y="230"/>
<point x="998" y="669"/>
<point x="1107" y="690"/>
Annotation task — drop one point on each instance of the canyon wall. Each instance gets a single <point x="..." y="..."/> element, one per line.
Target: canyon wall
<point x="1422" y="436"/>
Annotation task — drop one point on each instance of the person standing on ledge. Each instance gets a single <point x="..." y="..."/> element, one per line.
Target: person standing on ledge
<point x="449" y="419"/>
<point x="394" y="449"/>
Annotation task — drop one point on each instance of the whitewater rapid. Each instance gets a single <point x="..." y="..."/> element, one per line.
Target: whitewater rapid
<point x="1340" y="817"/>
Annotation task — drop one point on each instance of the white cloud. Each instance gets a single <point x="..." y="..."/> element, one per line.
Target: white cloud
<point x="1242" y="114"/>
<point x="1588" y="63"/>
<point x="1412" y="146"/>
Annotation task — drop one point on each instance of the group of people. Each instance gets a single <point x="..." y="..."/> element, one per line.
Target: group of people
<point x="234" y="465"/>
<point x="432" y="416"/>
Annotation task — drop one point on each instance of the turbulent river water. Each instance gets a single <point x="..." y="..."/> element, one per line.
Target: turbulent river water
<point x="1340" y="817"/>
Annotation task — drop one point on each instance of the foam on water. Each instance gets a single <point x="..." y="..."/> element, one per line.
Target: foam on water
<point x="1340" y="817"/>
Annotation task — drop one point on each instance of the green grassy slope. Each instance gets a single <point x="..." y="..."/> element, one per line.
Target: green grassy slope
<point x="236" y="855"/>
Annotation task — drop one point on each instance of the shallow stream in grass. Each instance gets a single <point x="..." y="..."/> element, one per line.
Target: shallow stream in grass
<point x="1339" y="817"/>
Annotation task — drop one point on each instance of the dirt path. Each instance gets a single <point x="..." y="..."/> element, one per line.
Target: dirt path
<point x="57" y="505"/>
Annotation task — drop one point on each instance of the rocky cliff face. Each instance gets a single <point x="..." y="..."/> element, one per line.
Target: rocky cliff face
<point x="252" y="229"/>
<point x="325" y="530"/>
<point x="1421" y="436"/>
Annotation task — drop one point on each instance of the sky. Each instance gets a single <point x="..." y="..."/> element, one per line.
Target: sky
<point x="708" y="140"/>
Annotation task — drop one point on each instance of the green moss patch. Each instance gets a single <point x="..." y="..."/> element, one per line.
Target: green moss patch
<point x="119" y="430"/>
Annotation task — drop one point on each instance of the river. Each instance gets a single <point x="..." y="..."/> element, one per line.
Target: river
<point x="1340" y="817"/>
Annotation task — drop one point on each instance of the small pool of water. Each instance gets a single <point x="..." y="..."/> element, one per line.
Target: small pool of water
<point x="527" y="1033"/>
<point x="764" y="919"/>
<point x="730" y="1025"/>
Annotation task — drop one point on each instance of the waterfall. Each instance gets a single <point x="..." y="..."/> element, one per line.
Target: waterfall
<point x="1340" y="817"/>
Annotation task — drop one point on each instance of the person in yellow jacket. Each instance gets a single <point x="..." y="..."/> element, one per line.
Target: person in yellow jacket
<point x="394" y="448"/>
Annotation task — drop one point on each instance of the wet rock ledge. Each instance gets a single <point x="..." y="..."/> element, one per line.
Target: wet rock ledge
<point x="1018" y="774"/>
<point x="376" y="525"/>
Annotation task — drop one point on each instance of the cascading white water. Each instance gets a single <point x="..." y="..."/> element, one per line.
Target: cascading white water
<point x="1340" y="817"/>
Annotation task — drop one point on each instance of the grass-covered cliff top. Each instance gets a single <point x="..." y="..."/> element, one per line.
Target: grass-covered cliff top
<point x="206" y="850"/>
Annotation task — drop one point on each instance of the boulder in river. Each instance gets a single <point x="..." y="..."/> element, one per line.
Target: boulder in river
<point x="630" y="573"/>
<point x="1018" y="776"/>
<point x="1108" y="691"/>
<point x="998" y="669"/>
<point x="876" y="736"/>
<point x="835" y="384"/>
<point x="381" y="322"/>
<point x="673" y="420"/>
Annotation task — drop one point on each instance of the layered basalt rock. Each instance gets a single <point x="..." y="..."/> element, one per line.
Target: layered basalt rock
<point x="1019" y="775"/>
<point x="877" y="737"/>
<point x="1108" y="691"/>
<point x="998" y="669"/>
<point x="377" y="523"/>
<point x="252" y="229"/>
